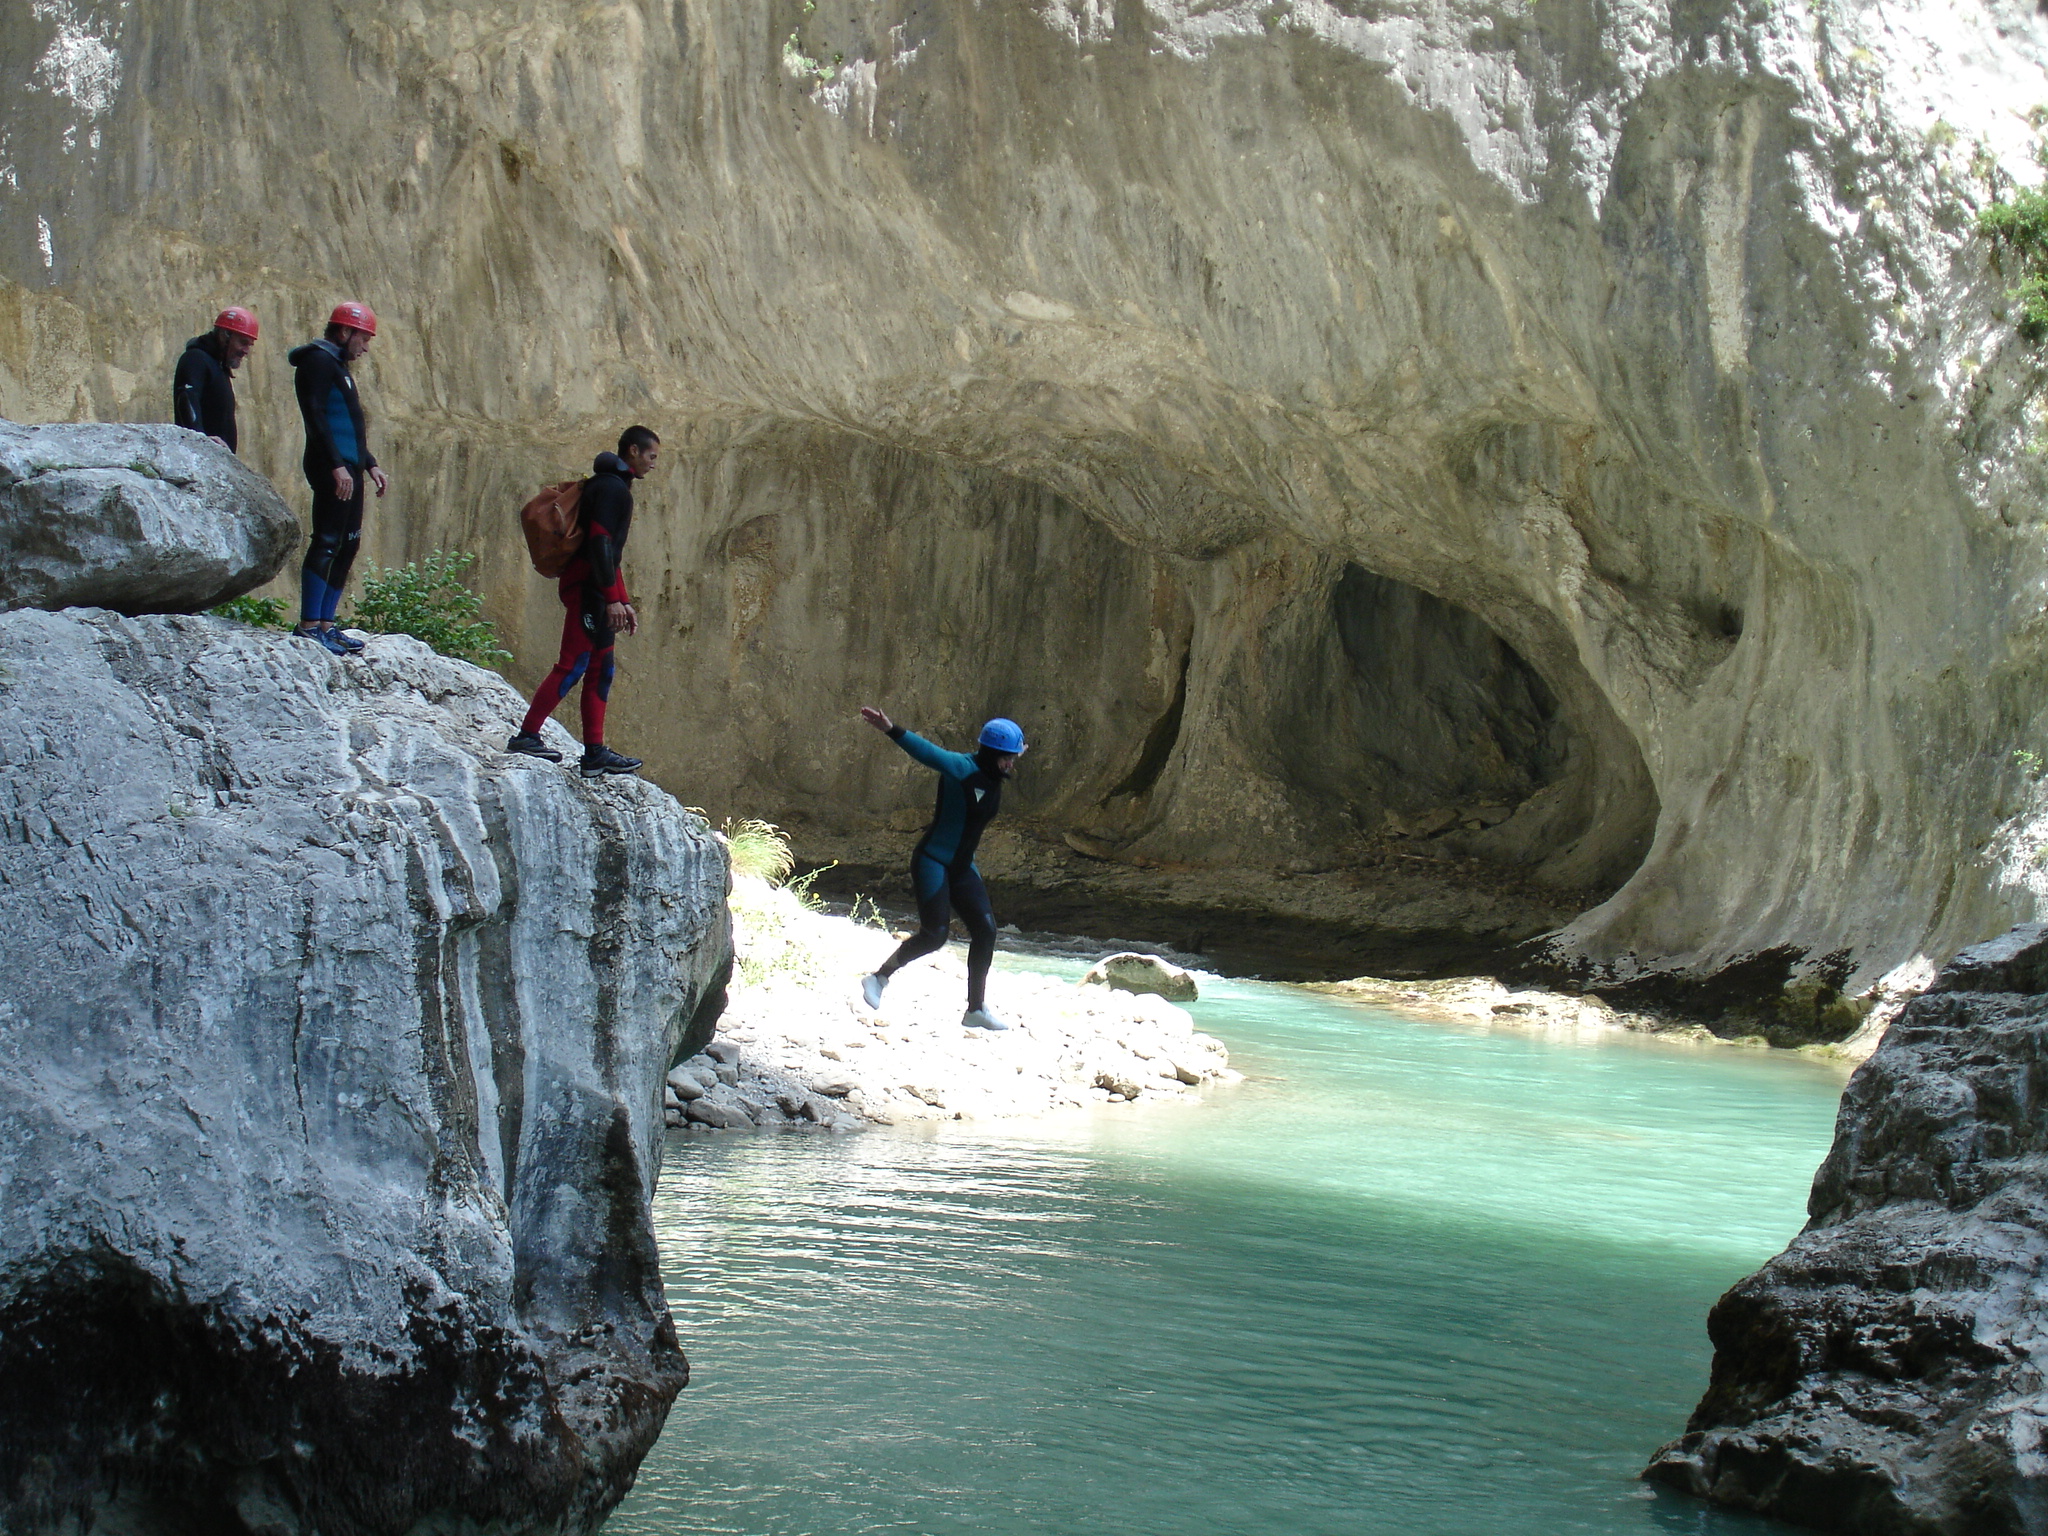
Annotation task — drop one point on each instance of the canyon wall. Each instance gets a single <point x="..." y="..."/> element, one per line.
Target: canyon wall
<point x="1292" y="412"/>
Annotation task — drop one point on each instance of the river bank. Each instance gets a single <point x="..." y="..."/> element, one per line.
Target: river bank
<point x="799" y="1048"/>
<point x="1400" y="908"/>
<point x="1407" y="923"/>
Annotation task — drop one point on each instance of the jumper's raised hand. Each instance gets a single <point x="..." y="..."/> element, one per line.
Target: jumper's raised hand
<point x="877" y="719"/>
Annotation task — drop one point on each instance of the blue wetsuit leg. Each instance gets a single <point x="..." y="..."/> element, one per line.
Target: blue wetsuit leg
<point x="928" y="879"/>
<point x="970" y="900"/>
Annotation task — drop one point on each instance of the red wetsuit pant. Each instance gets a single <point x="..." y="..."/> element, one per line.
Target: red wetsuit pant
<point x="586" y="657"/>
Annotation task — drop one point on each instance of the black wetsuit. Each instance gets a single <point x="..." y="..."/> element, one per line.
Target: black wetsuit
<point x="337" y="437"/>
<point x="203" y="391"/>
<point x="588" y="588"/>
<point x="942" y="869"/>
<point x="607" y="513"/>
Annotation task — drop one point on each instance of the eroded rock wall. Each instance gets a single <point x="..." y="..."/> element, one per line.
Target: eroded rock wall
<point x="1886" y="1372"/>
<point x="331" y="1054"/>
<point x="1657" y="340"/>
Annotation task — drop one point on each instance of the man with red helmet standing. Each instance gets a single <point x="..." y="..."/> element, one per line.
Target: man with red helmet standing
<point x="203" y="387"/>
<point x="337" y="460"/>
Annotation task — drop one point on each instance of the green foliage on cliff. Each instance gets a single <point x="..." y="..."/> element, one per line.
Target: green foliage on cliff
<point x="803" y="67"/>
<point x="429" y="600"/>
<point x="2020" y="226"/>
<point x="2017" y="221"/>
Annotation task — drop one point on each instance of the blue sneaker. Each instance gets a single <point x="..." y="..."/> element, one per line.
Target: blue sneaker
<point x="349" y="642"/>
<point x="325" y="639"/>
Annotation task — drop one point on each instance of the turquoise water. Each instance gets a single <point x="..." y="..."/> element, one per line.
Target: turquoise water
<point x="1410" y="1278"/>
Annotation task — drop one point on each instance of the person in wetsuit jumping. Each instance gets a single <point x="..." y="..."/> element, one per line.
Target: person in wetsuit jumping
<point x="942" y="868"/>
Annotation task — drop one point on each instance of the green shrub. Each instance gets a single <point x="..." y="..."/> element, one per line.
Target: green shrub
<point x="429" y="600"/>
<point x="263" y="612"/>
<point x="2021" y="227"/>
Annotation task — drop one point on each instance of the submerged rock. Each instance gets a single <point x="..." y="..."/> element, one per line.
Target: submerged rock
<point x="1886" y="1372"/>
<point x="138" y="519"/>
<point x="332" y="1043"/>
<point x="1132" y="972"/>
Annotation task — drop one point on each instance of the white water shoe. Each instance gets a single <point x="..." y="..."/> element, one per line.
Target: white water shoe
<point x="871" y="989"/>
<point x="981" y="1018"/>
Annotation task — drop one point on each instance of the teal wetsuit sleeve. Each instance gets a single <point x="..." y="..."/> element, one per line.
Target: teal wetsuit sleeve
<point x="955" y="765"/>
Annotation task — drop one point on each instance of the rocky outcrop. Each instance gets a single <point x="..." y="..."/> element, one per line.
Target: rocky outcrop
<point x="1886" y="1374"/>
<point x="137" y="519"/>
<point x="1130" y="972"/>
<point x="719" y="1089"/>
<point x="331" y="1054"/>
<point x="1291" y="412"/>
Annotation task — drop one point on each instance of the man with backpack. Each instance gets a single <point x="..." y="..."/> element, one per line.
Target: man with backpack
<point x="337" y="461"/>
<point x="203" y="385"/>
<point x="593" y="593"/>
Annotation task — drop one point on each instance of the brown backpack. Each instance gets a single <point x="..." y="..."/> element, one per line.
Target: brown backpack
<point x="553" y="525"/>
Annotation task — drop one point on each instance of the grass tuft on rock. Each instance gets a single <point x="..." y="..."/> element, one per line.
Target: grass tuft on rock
<point x="759" y="848"/>
<point x="771" y="913"/>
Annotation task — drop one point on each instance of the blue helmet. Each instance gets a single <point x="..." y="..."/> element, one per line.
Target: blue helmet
<point x="1001" y="735"/>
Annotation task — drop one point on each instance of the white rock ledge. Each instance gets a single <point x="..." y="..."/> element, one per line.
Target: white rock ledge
<point x="806" y="1051"/>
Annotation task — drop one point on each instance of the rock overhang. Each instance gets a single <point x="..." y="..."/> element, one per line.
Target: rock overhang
<point x="1608" y="333"/>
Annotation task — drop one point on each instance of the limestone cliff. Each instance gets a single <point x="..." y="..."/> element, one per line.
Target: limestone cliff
<point x="1885" y="1374"/>
<point x="331" y="1055"/>
<point x="1293" y="412"/>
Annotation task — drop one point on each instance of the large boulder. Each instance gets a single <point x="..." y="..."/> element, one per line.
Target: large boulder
<point x="137" y="519"/>
<point x="1888" y="1373"/>
<point x="332" y="1042"/>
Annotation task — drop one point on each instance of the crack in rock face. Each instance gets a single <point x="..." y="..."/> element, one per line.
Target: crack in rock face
<point x="332" y="1043"/>
<point x="1886" y="1372"/>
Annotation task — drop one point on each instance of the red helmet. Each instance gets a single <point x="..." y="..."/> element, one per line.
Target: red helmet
<point x="237" y="319"/>
<point x="357" y="317"/>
